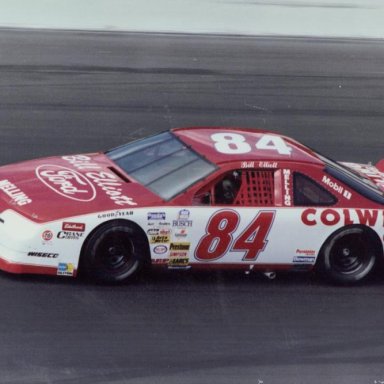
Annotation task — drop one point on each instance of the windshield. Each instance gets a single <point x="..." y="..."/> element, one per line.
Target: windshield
<point x="354" y="179"/>
<point x="162" y="163"/>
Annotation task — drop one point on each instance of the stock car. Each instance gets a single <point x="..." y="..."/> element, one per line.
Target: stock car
<point x="193" y="198"/>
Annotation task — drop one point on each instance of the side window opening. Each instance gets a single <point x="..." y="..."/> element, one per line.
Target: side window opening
<point x="257" y="189"/>
<point x="241" y="188"/>
<point x="227" y="189"/>
<point x="307" y="192"/>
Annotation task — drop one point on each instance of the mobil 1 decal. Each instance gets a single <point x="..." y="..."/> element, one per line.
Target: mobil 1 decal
<point x="220" y="235"/>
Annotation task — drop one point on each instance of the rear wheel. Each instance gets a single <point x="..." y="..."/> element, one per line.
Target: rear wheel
<point x="349" y="255"/>
<point x="113" y="253"/>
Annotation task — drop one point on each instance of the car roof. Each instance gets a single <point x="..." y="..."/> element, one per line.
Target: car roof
<point x="200" y="139"/>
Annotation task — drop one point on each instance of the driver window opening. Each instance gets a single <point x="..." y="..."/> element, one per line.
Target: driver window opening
<point x="240" y="188"/>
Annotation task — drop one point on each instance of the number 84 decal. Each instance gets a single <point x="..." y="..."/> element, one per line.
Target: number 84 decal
<point x="218" y="238"/>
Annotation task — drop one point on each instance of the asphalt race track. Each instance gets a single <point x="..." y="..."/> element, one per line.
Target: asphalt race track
<point x="71" y="92"/>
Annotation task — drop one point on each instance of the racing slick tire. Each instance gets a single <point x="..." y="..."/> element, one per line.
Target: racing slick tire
<point x="114" y="252"/>
<point x="349" y="255"/>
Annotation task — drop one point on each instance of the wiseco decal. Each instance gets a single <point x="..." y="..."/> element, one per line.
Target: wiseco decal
<point x="329" y="217"/>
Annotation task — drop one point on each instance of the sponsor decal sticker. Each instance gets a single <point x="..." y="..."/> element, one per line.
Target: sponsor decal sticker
<point x="178" y="259"/>
<point x="287" y="187"/>
<point x="47" y="235"/>
<point x="111" y="186"/>
<point x="268" y="164"/>
<point x="159" y="261"/>
<point x="153" y="231"/>
<point x="160" y="249"/>
<point x="159" y="224"/>
<point x="182" y="219"/>
<point x="66" y="182"/>
<point x="336" y="187"/>
<point x="179" y="254"/>
<point x="182" y="232"/>
<point x="106" y="181"/>
<point x="76" y="186"/>
<point x="81" y="162"/>
<point x="44" y="254"/>
<point x="184" y="214"/>
<point x="16" y="194"/>
<point x="67" y="235"/>
<point x="65" y="269"/>
<point x="247" y="164"/>
<point x="180" y="246"/>
<point x="156" y="215"/>
<point x="330" y="217"/>
<point x="182" y="223"/>
<point x="306" y="252"/>
<point x="110" y="215"/>
<point x="74" y="227"/>
<point x="304" y="259"/>
<point x="160" y="239"/>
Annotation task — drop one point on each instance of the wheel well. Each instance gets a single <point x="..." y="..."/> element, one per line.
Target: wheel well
<point x="374" y="237"/>
<point x="136" y="228"/>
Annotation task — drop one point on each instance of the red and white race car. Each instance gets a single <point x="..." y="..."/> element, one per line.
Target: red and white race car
<point x="192" y="197"/>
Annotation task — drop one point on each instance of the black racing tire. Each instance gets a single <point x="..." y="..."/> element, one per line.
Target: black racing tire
<point x="115" y="252"/>
<point x="348" y="256"/>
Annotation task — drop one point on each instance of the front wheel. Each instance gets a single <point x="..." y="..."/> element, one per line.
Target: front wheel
<point x="113" y="253"/>
<point x="349" y="255"/>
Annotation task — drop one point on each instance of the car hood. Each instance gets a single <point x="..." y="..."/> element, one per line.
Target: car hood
<point x="57" y="187"/>
<point x="373" y="173"/>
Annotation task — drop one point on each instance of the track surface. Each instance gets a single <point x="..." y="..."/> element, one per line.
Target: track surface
<point x="77" y="92"/>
